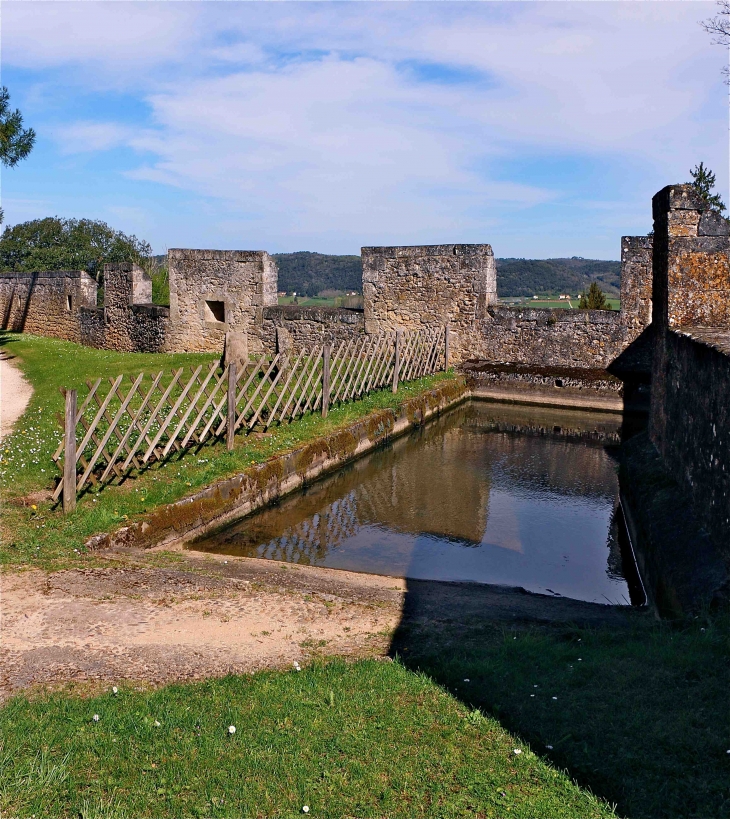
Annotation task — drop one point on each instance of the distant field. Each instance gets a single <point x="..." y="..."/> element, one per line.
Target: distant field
<point x="553" y="303"/>
<point x="307" y="301"/>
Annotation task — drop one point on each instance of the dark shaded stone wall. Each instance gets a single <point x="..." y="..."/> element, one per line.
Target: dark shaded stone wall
<point x="690" y="408"/>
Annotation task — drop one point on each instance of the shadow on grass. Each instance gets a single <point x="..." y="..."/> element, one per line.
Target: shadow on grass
<point x="634" y="709"/>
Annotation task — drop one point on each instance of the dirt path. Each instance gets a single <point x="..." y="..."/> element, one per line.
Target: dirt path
<point x="15" y="393"/>
<point x="203" y="616"/>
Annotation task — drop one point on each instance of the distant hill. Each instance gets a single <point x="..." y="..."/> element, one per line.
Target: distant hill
<point x="527" y="277"/>
<point x="310" y="273"/>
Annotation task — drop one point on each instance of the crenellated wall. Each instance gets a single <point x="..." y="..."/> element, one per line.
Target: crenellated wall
<point x="215" y="294"/>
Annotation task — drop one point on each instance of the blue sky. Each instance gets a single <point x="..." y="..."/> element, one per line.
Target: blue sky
<point x="543" y="128"/>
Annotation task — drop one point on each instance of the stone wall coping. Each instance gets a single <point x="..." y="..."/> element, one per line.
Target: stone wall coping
<point x="429" y="250"/>
<point x="48" y="274"/>
<point x="677" y="197"/>
<point x="216" y="255"/>
<point x="295" y="312"/>
<point x="645" y="242"/>
<point x="557" y="315"/>
<point x="718" y="338"/>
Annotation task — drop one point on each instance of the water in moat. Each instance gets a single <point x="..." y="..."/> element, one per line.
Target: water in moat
<point x="486" y="493"/>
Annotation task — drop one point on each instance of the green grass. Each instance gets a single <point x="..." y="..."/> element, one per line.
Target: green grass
<point x="307" y="301"/>
<point x="347" y="740"/>
<point x="556" y="304"/>
<point x="42" y="535"/>
<point x="641" y="714"/>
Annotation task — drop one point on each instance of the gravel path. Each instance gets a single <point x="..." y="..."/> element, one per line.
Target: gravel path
<point x="15" y="393"/>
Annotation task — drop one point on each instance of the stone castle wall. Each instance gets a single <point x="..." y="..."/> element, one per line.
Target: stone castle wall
<point x="47" y="304"/>
<point x="296" y="327"/>
<point x="214" y="292"/>
<point x="690" y="408"/>
<point x="427" y="285"/>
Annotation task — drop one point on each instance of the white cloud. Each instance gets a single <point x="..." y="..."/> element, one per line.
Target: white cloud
<point x="297" y="116"/>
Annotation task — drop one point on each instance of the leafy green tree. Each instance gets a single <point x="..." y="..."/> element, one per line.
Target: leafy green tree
<point x="15" y="141"/>
<point x="594" y="299"/>
<point x="703" y="181"/>
<point x="68" y="244"/>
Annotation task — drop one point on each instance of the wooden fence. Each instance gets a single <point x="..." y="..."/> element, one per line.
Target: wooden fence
<point x="118" y="428"/>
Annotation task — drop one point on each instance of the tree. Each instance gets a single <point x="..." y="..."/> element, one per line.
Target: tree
<point x="703" y="181"/>
<point x="15" y="143"/>
<point x="594" y="299"/>
<point x="719" y="27"/>
<point x="68" y="244"/>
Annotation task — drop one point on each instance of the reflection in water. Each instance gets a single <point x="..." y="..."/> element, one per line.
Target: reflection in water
<point x="486" y="494"/>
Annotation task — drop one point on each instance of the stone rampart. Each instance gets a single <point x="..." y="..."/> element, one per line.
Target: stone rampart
<point x="426" y="285"/>
<point x="47" y="303"/>
<point x="548" y="338"/>
<point x="690" y="408"/>
<point x="299" y="327"/>
<point x="214" y="292"/>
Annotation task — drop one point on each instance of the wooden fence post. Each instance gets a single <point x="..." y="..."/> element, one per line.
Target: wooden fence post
<point x="326" y="351"/>
<point x="396" y="365"/>
<point x="231" y="402"/>
<point x="446" y="347"/>
<point x="69" y="455"/>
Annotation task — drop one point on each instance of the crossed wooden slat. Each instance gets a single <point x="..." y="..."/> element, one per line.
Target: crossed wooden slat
<point x="121" y="434"/>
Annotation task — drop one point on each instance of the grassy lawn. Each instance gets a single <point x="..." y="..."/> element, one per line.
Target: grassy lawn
<point x="346" y="740"/>
<point x="36" y="533"/>
<point x="638" y="714"/>
<point x="307" y="301"/>
<point x="559" y="304"/>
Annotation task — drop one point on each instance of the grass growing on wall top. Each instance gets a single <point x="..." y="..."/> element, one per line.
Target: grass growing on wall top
<point x="365" y="739"/>
<point x="34" y="533"/>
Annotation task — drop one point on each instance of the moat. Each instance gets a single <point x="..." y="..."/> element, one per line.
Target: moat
<point x="487" y="494"/>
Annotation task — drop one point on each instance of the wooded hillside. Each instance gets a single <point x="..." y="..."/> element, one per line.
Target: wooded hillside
<point x="311" y="273"/>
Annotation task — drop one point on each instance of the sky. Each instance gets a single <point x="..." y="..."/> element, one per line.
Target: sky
<point x="541" y="128"/>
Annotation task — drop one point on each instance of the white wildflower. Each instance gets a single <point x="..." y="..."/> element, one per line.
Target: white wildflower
<point x="305" y="809"/>
<point x="517" y="751"/>
<point x="231" y="729"/>
<point x="96" y="718"/>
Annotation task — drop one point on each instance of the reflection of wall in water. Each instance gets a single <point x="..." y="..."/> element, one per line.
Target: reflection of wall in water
<point x="436" y="482"/>
<point x="434" y="486"/>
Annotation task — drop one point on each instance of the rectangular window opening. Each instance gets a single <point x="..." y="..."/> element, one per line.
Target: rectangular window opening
<point x="215" y="311"/>
<point x="69" y="303"/>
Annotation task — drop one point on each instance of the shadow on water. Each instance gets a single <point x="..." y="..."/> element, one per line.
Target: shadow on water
<point x="634" y="709"/>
